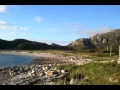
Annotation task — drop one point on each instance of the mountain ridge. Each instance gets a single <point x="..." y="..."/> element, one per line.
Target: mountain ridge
<point x="23" y="44"/>
<point x="98" y="41"/>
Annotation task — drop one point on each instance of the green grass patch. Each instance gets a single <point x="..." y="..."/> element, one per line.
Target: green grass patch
<point x="94" y="73"/>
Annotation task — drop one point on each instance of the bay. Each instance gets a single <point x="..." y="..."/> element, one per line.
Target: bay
<point x="7" y="60"/>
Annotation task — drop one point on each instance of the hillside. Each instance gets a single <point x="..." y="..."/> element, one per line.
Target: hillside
<point x="22" y="44"/>
<point x="99" y="41"/>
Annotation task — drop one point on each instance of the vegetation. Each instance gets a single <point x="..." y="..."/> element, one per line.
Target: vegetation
<point x="91" y="73"/>
<point x="22" y="44"/>
<point x="94" y="73"/>
<point x="98" y="42"/>
<point x="94" y="48"/>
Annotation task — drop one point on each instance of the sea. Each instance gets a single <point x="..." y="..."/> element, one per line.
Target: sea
<point x="8" y="60"/>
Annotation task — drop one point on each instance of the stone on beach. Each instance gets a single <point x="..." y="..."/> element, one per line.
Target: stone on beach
<point x="72" y="81"/>
<point x="40" y="71"/>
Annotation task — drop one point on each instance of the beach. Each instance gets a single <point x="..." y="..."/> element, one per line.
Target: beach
<point x="39" y="69"/>
<point x="41" y="58"/>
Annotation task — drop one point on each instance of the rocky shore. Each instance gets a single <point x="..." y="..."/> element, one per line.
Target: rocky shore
<point x="31" y="75"/>
<point x="40" y="71"/>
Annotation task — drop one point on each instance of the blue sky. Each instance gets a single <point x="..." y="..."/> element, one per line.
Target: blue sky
<point x="59" y="24"/>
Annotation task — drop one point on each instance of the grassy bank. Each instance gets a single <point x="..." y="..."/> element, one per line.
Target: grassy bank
<point x="94" y="73"/>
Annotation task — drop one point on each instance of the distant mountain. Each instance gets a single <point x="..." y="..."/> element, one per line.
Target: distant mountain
<point x="99" y="41"/>
<point x="23" y="44"/>
<point x="54" y="44"/>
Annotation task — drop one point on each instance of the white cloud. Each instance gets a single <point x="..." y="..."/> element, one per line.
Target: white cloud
<point x="3" y="8"/>
<point x="4" y="23"/>
<point x="8" y="26"/>
<point x="12" y="28"/>
<point x="38" y="19"/>
<point x="79" y="28"/>
<point x="92" y="32"/>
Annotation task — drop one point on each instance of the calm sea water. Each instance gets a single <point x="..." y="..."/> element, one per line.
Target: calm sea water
<point x="7" y="60"/>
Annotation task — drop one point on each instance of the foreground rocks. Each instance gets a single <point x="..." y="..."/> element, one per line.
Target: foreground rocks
<point x="40" y="71"/>
<point x="61" y="60"/>
<point x="31" y="75"/>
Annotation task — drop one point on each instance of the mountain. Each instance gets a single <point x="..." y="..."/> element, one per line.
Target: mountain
<point x="84" y="43"/>
<point x="23" y="44"/>
<point x="99" y="41"/>
<point x="54" y="44"/>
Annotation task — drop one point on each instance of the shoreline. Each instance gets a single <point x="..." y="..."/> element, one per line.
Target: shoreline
<point x="41" y="58"/>
<point x="34" y="54"/>
<point x="40" y="71"/>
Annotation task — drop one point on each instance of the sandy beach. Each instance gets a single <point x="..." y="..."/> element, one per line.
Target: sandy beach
<point x="41" y="58"/>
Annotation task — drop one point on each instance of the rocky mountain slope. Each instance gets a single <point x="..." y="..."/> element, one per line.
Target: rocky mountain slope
<point x="99" y="41"/>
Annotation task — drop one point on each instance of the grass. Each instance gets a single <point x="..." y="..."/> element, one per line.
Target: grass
<point x="94" y="73"/>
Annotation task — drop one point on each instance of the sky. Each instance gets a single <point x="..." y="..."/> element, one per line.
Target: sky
<point x="60" y="24"/>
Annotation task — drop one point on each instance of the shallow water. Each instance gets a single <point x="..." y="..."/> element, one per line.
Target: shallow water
<point x="7" y="60"/>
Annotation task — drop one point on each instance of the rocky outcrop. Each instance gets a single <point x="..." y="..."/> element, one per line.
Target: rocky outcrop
<point x="83" y="43"/>
<point x="99" y="41"/>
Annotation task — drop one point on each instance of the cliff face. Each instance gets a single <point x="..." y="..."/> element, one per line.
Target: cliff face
<point x="99" y="40"/>
<point x="82" y="43"/>
<point x="110" y="37"/>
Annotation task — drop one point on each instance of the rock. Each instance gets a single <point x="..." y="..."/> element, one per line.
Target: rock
<point x="98" y="41"/>
<point x="86" y="78"/>
<point x="47" y="67"/>
<point x="26" y="75"/>
<point x="43" y="68"/>
<point x="118" y="61"/>
<point x="49" y="73"/>
<point x="115" y="81"/>
<point x="50" y="83"/>
<point x="32" y="71"/>
<point x="63" y="76"/>
<point x="56" y="73"/>
<point x="10" y="73"/>
<point x="112" y="80"/>
<point x="62" y="71"/>
<point x="29" y="73"/>
<point x="41" y="74"/>
<point x="50" y="64"/>
<point x="72" y="82"/>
